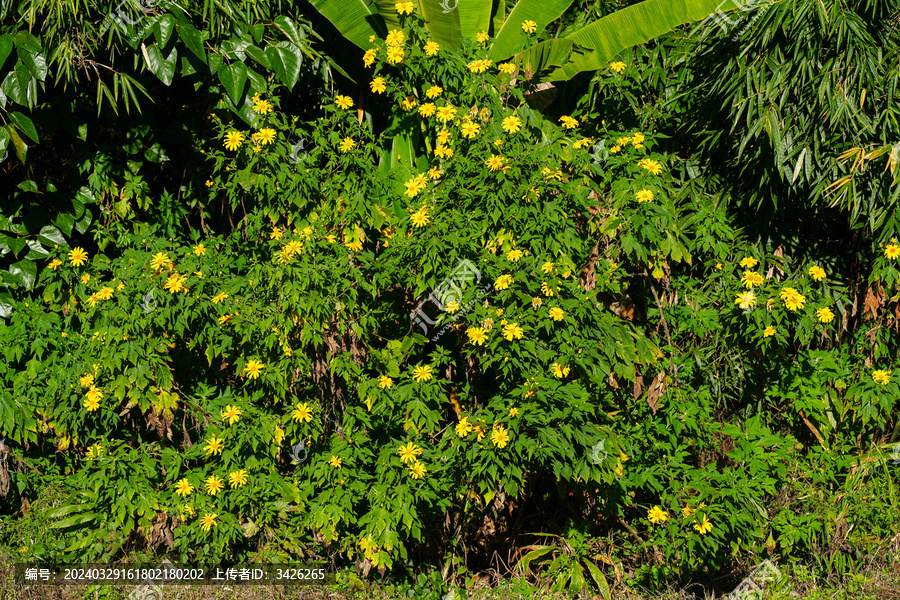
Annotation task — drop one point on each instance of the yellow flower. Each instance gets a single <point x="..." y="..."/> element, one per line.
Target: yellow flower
<point x="617" y="66"/>
<point x="335" y="462"/>
<point x="54" y="264"/>
<point x="219" y="298"/>
<point x="346" y="144"/>
<point x="232" y="414"/>
<point x="507" y="68"/>
<point x="444" y="136"/>
<point x="94" y="451"/>
<point x="395" y="54"/>
<point x="404" y="8"/>
<point x="463" y="428"/>
<point x="121" y="286"/>
<point x="568" y="122"/>
<point x="225" y="318"/>
<point x="582" y="143"/>
<point x="502" y="282"/>
<point x="378" y="85"/>
<point x="559" y="371"/>
<point x="817" y="272"/>
<point x="409" y="452"/>
<point x="746" y="300"/>
<point x="184" y="487"/>
<point x="769" y="331"/>
<point x="417" y="470"/>
<point x="477" y="336"/>
<point x="434" y="91"/>
<point x="529" y="26"/>
<point x="419" y="218"/>
<point x="657" y="515"/>
<point x="302" y="414"/>
<point x="881" y="376"/>
<point x="422" y="373"/>
<point x="651" y="165"/>
<point x="175" y="283"/>
<point x="85" y="278"/>
<point x="385" y="382"/>
<point x="892" y="251"/>
<point x="262" y="106"/>
<point x="254" y="368"/>
<point x="446" y="113"/>
<point x="536" y="303"/>
<point x="395" y="38"/>
<point x="495" y="162"/>
<point x="208" y="520"/>
<point x="482" y="37"/>
<point x="214" y="485"/>
<point x="637" y="138"/>
<point x="704" y="526"/>
<point x="369" y="57"/>
<point x="748" y="262"/>
<point x="415" y="185"/>
<point x="557" y="313"/>
<point x="452" y="307"/>
<point x="200" y="250"/>
<point x="479" y="66"/>
<point x="435" y="173"/>
<point x="513" y="331"/>
<point x="237" y="478"/>
<point x="408" y="103"/>
<point x="427" y="109"/>
<point x="547" y="290"/>
<point x="547" y="267"/>
<point x="514" y="255"/>
<point x="644" y="196"/>
<point x="751" y="279"/>
<point x="512" y="124"/>
<point x="77" y="256"/>
<point x="160" y="261"/>
<point x="615" y="149"/>
<point x="825" y="315"/>
<point x="500" y="436"/>
<point x="793" y="299"/>
<point x="513" y="411"/>
<point x="264" y="136"/>
<point x="470" y="130"/>
<point x="214" y="445"/>
<point x="87" y="381"/>
<point x="431" y="48"/>
<point x="233" y="140"/>
<point x="279" y="436"/>
<point x="92" y="403"/>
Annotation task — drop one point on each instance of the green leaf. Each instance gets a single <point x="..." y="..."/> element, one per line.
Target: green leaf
<point x="18" y="143"/>
<point x="599" y="579"/>
<point x="4" y="140"/>
<point x="35" y="63"/>
<point x="65" y="222"/>
<point x="24" y="272"/>
<point x="289" y="29"/>
<point x="444" y="25"/>
<point x="259" y="55"/>
<point x="6" y="304"/>
<point x="163" y="28"/>
<point x="6" y="46"/>
<point x="25" y="125"/>
<point x="511" y="38"/>
<point x="538" y="552"/>
<point x="191" y="38"/>
<point x="50" y="236"/>
<point x="234" y="78"/>
<point x="25" y="40"/>
<point x="164" y="68"/>
<point x="286" y="62"/>
<point x="357" y="20"/>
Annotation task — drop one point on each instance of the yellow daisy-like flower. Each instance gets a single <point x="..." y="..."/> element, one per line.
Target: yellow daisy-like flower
<point x="87" y="381"/>
<point x="881" y="376"/>
<point x="225" y="318"/>
<point x="463" y="428"/>
<point x="91" y="404"/>
<point x="746" y="300"/>
<point x="395" y="37"/>
<point x="77" y="256"/>
<point x="186" y="508"/>
<point x="199" y="250"/>
<point x="476" y="335"/>
<point x="254" y="368"/>
<point x="644" y="196"/>
<point x="427" y="109"/>
<point x="207" y="521"/>
<point x="453" y="307"/>
<point x="547" y="290"/>
<point x="892" y="251"/>
<point x="651" y="165"/>
<point x="513" y="411"/>
<point x="637" y="138"/>
<point x="559" y="371"/>
<point x="343" y="101"/>
<point x="160" y="261"/>
<point x="404" y="8"/>
<point x="536" y="303"/>
<point x="443" y="151"/>
<point x="232" y="414"/>
<point x="657" y="515"/>
<point x="751" y="279"/>
<point x="121" y="286"/>
<point x="479" y="66"/>
<point x="347" y="144"/>
<point x="218" y="298"/>
<point x="817" y="272"/>
<point x="568" y="122"/>
<point x="500" y="436"/>
<point x="615" y="149"/>
<point x="237" y="478"/>
<point x="704" y="526"/>
<point x="556" y="313"/>
<point x="415" y="185"/>
<point x="512" y="124"/>
<point x="446" y="113"/>
<point x="507" y="68"/>
<point x="262" y="106"/>
<point x="417" y="470"/>
<point x="431" y="48"/>
<point x="94" y="451"/>
<point x="214" y="445"/>
<point x="748" y="262"/>
<point x="395" y="55"/>
<point x="335" y="462"/>
<point x="529" y="26"/>
<point x="94" y="395"/>
<point x="435" y="173"/>
<point x="769" y="331"/>
<point x="184" y="487"/>
<point x="825" y="315"/>
<point x="583" y="143"/>
<point x="792" y="299"/>
<point x="513" y="331"/>
<point x="514" y="255"/>
<point x="419" y="218"/>
<point x="54" y="264"/>
<point x="369" y="58"/>
<point x="385" y="382"/>
<point x="409" y="452"/>
<point x="434" y="91"/>
<point x="444" y="136"/>
<point x="617" y="66"/>
<point x="85" y="278"/>
<point x="422" y="373"/>
<point x="482" y="37"/>
<point x="547" y="267"/>
<point x="233" y="140"/>
<point x="175" y="283"/>
<point x="214" y="485"/>
<point x="502" y="282"/>
<point x="408" y="103"/>
<point x="470" y="130"/>
<point x="264" y="136"/>
<point x="302" y="414"/>
<point x="378" y="85"/>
